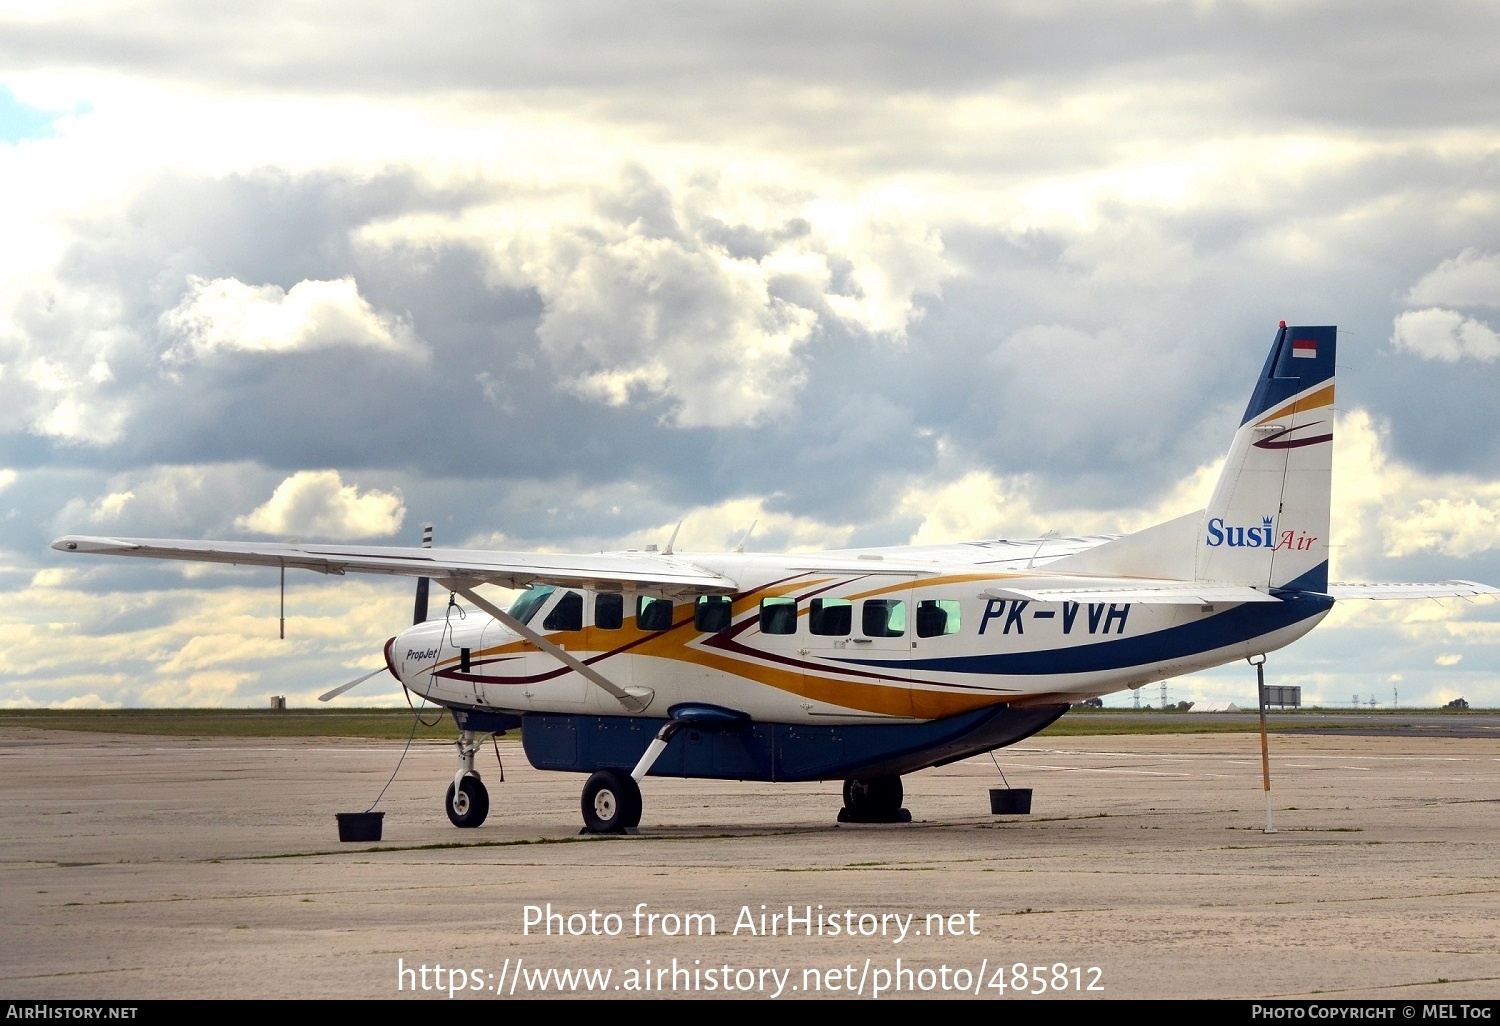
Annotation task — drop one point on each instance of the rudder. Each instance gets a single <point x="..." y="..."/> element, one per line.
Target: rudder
<point x="1267" y="523"/>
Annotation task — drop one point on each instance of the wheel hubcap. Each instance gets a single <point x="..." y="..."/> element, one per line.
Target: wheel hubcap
<point x="604" y="805"/>
<point x="461" y="802"/>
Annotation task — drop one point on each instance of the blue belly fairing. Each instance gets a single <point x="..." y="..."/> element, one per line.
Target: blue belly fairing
<point x="776" y="751"/>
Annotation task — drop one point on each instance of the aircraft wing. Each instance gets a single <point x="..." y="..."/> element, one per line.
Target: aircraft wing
<point x="1442" y="589"/>
<point x="604" y="571"/>
<point x="1143" y="590"/>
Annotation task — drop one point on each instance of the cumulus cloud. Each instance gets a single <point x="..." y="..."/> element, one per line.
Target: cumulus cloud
<point x="1387" y="508"/>
<point x="1453" y="525"/>
<point x="981" y="504"/>
<point x="977" y="505"/>
<point x="58" y="402"/>
<point x="111" y="506"/>
<point x="179" y="501"/>
<point x="1437" y="334"/>
<point x="225" y="313"/>
<point x="318" y="503"/>
<point x="638" y="317"/>
<point x="828" y="249"/>
<point x="659" y="297"/>
<point x="724" y="525"/>
<point x="1470" y="279"/>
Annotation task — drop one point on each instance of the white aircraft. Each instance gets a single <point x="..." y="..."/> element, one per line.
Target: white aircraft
<point x="864" y="664"/>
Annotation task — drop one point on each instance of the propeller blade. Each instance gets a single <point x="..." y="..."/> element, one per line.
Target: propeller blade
<point x="356" y="682"/>
<point x="419" y="613"/>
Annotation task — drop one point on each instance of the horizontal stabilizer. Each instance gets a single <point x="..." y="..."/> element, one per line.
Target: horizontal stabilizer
<point x="1442" y="589"/>
<point x="1143" y="590"/>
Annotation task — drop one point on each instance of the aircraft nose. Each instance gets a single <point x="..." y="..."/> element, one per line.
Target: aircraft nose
<point x="390" y="661"/>
<point x="413" y="655"/>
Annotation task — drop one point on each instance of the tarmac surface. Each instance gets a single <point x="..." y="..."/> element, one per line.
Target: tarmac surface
<point x="144" y="867"/>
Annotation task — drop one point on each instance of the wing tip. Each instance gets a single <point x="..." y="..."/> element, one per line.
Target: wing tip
<point x="86" y="543"/>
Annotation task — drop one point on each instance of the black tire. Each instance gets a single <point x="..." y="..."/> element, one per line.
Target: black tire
<point x="611" y="802"/>
<point x="469" y="804"/>
<point x="874" y="800"/>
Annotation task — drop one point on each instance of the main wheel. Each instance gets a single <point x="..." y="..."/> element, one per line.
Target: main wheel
<point x="874" y="800"/>
<point x="469" y="803"/>
<point x="611" y="802"/>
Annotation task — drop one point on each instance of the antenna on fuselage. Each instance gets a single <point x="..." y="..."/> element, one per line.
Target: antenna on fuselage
<point x="1040" y="543"/>
<point x="672" y="540"/>
<point x="741" y="546"/>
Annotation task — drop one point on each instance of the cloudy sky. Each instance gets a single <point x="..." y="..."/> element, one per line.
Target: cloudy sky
<point x="558" y="275"/>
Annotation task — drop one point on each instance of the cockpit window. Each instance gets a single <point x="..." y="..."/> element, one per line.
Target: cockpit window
<point x="567" y="615"/>
<point x="529" y="601"/>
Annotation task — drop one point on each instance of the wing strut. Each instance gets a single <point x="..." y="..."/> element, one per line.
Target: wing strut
<point x="632" y="703"/>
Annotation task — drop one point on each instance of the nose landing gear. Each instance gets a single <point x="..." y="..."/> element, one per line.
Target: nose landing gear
<point x="468" y="801"/>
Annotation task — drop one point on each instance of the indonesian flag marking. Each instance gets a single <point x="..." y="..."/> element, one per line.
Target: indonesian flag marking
<point x="1305" y="348"/>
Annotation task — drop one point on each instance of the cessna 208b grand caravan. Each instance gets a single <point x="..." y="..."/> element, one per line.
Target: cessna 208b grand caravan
<point x="858" y="665"/>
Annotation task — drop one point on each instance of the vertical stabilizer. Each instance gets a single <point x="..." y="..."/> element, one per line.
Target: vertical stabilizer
<point x="1267" y="523"/>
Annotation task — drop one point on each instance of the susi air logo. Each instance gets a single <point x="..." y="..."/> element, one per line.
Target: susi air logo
<point x="1262" y="537"/>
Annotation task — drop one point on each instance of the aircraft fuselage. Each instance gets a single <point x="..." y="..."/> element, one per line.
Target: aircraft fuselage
<point x="816" y="647"/>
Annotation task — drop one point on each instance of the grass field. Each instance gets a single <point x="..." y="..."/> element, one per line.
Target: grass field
<point x="392" y="724"/>
<point x="437" y="725"/>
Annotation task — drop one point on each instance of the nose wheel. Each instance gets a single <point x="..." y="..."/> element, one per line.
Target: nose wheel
<point x="468" y="803"/>
<point x="611" y="803"/>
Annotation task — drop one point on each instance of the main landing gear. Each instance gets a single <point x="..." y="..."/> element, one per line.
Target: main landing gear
<point x="874" y="800"/>
<point x="611" y="802"/>
<point x="612" y="798"/>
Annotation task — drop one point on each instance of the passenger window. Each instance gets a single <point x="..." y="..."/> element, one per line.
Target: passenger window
<point x="778" y="616"/>
<point x="567" y="615"/>
<point x="831" y="617"/>
<point x="884" y="618"/>
<point x="936" y="617"/>
<point x="712" y="613"/>
<point x="609" y="611"/>
<point x="653" y="614"/>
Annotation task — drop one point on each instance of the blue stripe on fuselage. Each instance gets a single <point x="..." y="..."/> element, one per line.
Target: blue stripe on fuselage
<point x="1231" y="627"/>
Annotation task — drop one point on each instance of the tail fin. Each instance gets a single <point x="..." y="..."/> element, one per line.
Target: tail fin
<point x="1267" y="523"/>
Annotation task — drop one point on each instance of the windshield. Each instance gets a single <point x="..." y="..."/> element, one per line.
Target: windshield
<point x="529" y="601"/>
